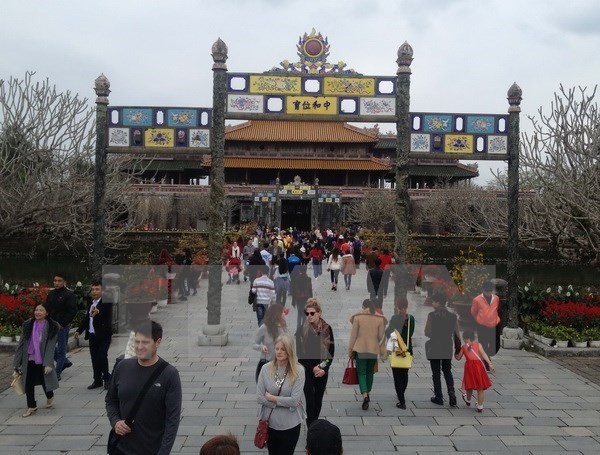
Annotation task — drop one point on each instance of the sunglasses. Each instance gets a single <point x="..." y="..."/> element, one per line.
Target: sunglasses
<point x="310" y="313"/>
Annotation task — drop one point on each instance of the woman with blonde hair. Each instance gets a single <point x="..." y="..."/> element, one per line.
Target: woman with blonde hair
<point x="314" y="341"/>
<point x="279" y="392"/>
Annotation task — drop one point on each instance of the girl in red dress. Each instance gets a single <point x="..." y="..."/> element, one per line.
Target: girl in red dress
<point x="475" y="376"/>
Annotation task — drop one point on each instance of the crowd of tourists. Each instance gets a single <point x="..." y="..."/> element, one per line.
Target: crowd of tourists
<point x="294" y="362"/>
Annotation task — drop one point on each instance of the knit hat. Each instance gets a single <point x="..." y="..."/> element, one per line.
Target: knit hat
<point x="323" y="438"/>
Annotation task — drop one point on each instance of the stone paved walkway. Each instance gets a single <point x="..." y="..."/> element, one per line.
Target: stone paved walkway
<point x="535" y="406"/>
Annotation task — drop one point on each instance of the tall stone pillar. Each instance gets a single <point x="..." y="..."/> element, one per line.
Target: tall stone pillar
<point x="277" y="203"/>
<point x="102" y="89"/>
<point x="314" y="214"/>
<point x="401" y="206"/>
<point x="512" y="335"/>
<point x="213" y="333"/>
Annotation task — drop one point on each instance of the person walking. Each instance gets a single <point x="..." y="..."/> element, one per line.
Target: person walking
<point x="475" y="376"/>
<point x="264" y="288"/>
<point x="157" y="420"/>
<point x="281" y="278"/>
<point x="97" y="325"/>
<point x="374" y="277"/>
<point x="442" y="330"/>
<point x="34" y="357"/>
<point x="279" y="392"/>
<point x="400" y="322"/>
<point x="316" y="349"/>
<point x="366" y="339"/>
<point x="273" y="326"/>
<point x="61" y="305"/>
<point x="323" y="438"/>
<point x="316" y="255"/>
<point x="484" y="310"/>
<point x="348" y="268"/>
<point x="301" y="289"/>
<point x="334" y="264"/>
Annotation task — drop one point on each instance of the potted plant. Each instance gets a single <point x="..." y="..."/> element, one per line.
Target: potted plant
<point x="546" y="334"/>
<point x="562" y="335"/>
<point x="579" y="340"/>
<point x="592" y="335"/>
<point x="6" y="334"/>
<point x="533" y="329"/>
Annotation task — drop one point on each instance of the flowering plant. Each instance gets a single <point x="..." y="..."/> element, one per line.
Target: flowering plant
<point x="17" y="304"/>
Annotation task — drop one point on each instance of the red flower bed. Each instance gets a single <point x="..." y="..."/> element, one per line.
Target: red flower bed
<point x="578" y="315"/>
<point x="15" y="309"/>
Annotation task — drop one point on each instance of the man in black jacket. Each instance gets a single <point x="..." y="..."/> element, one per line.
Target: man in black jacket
<point x="442" y="330"/>
<point x="97" y="324"/>
<point x="61" y="305"/>
<point x="374" y="277"/>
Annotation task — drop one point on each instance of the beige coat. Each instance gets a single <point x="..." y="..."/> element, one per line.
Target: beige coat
<point x="348" y="265"/>
<point x="368" y="333"/>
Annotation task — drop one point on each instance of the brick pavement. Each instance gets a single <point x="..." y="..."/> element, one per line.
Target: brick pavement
<point x="535" y="406"/>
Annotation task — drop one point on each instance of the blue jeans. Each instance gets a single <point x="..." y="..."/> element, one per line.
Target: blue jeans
<point x="348" y="280"/>
<point x="260" y="312"/>
<point x="317" y="269"/>
<point x="60" y="354"/>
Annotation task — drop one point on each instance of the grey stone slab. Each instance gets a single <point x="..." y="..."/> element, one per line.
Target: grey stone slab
<point x="454" y="430"/>
<point x="580" y="443"/>
<point x="76" y="429"/>
<point x="544" y="421"/>
<point x="64" y="443"/>
<point x="482" y="443"/>
<point x="498" y="430"/>
<point x="23" y="429"/>
<point x="522" y="441"/>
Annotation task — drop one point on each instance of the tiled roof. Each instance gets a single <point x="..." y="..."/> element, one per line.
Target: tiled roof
<point x="300" y="131"/>
<point x="447" y="171"/>
<point x="372" y="164"/>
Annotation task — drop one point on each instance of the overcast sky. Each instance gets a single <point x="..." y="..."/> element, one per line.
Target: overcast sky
<point x="467" y="53"/>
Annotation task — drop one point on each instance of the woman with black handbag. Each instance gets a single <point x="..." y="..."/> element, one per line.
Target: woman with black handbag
<point x="279" y="391"/>
<point x="272" y="327"/>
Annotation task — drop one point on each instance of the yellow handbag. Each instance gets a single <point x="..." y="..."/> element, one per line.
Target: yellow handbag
<point x="401" y="358"/>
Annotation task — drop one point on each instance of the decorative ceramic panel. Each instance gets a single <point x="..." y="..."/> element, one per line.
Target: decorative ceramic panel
<point x="497" y="144"/>
<point x="199" y="138"/>
<point x="437" y="123"/>
<point x="137" y="117"/>
<point x="349" y="86"/>
<point x="302" y="105"/>
<point x="420" y="143"/>
<point x="245" y="103"/>
<point x="182" y="117"/>
<point x="378" y="106"/>
<point x="458" y="143"/>
<point x="480" y="124"/>
<point x="159" y="137"/>
<point x="288" y="85"/>
<point x="118" y="137"/>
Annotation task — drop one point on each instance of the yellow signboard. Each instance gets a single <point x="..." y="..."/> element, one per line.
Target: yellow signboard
<point x="159" y="137"/>
<point x="286" y="85"/>
<point x="458" y="143"/>
<point x="319" y="105"/>
<point x="349" y="86"/>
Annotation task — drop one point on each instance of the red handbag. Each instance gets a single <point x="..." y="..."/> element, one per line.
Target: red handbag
<point x="262" y="430"/>
<point x="350" y="374"/>
<point x="262" y="434"/>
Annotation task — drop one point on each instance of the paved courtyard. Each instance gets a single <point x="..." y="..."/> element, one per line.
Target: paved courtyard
<point x="535" y="406"/>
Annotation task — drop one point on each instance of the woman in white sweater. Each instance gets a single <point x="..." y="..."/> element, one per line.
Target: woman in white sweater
<point x="334" y="264"/>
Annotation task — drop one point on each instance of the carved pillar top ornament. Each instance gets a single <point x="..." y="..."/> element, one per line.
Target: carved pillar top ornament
<point x="219" y="55"/>
<point x="102" y="89"/>
<point x="514" y="97"/>
<point x="405" y="58"/>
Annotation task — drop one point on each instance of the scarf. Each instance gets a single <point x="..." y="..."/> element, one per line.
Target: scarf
<point x="323" y="331"/>
<point x="34" y="349"/>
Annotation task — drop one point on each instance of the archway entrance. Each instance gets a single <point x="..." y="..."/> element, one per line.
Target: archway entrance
<point x="295" y="213"/>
